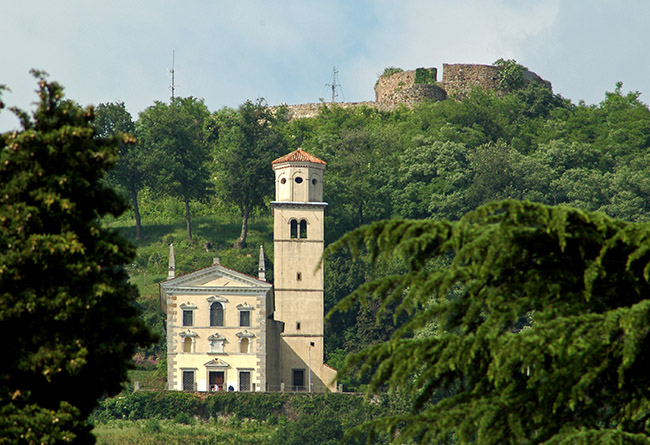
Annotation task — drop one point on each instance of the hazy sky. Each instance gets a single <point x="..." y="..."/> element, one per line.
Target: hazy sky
<point x="229" y="51"/>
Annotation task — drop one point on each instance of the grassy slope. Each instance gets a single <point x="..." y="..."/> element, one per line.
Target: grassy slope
<point x="213" y="236"/>
<point x="156" y="431"/>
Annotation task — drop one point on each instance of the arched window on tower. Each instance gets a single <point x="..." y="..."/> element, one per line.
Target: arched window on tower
<point x="294" y="229"/>
<point x="303" y="228"/>
<point x="216" y="314"/>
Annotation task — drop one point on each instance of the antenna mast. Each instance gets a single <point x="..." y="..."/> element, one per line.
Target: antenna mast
<point x="334" y="84"/>
<point x="172" y="72"/>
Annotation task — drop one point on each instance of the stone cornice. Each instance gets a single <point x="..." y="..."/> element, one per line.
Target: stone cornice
<point x="211" y="272"/>
<point x="302" y="335"/>
<point x="299" y="240"/>
<point x="297" y="204"/>
<point x="295" y="289"/>
<point x="204" y="290"/>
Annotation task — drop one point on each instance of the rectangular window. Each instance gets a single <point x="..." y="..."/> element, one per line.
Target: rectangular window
<point x="244" y="381"/>
<point x="298" y="380"/>
<point x="188" y="318"/>
<point x="188" y="380"/>
<point x="245" y="318"/>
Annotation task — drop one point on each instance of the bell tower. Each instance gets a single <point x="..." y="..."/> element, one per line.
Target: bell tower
<point x="298" y="232"/>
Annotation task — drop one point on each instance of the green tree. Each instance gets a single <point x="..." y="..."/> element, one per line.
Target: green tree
<point x="361" y="148"/>
<point x="543" y="326"/>
<point x="113" y="119"/>
<point x="177" y="155"/>
<point x="244" y="143"/>
<point x="511" y="74"/>
<point x="66" y="308"/>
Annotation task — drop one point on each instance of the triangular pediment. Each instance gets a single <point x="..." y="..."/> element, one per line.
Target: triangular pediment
<point x="215" y="278"/>
<point x="217" y="363"/>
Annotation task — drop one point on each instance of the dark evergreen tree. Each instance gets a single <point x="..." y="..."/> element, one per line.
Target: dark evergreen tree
<point x="66" y="308"/>
<point x="543" y="326"/>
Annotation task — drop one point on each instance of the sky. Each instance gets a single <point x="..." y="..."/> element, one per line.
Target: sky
<point x="285" y="51"/>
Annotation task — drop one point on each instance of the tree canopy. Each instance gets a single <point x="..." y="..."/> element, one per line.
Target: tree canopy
<point x="66" y="308"/>
<point x="244" y="143"/>
<point x="129" y="174"/>
<point x="177" y="157"/>
<point x="541" y="323"/>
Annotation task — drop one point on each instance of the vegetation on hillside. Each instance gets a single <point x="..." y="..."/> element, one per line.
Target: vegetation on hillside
<point x="436" y="161"/>
<point x="231" y="417"/>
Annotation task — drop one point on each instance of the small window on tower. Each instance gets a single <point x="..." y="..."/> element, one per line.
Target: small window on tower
<point x="303" y="228"/>
<point x="298" y="180"/>
<point x="298" y="326"/>
<point x="299" y="276"/>
<point x="314" y="181"/>
<point x="294" y="228"/>
<point x="283" y="181"/>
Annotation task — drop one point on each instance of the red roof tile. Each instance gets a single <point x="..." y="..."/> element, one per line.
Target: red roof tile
<point x="299" y="156"/>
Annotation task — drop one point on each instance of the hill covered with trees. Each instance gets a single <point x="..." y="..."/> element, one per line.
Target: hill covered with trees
<point x="435" y="160"/>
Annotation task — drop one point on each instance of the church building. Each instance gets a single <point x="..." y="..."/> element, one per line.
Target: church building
<point x="230" y="331"/>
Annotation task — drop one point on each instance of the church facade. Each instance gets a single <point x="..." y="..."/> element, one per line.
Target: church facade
<point x="230" y="331"/>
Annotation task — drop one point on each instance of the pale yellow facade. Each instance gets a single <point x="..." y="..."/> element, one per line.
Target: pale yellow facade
<point x="299" y="238"/>
<point x="227" y="330"/>
<point x="217" y="330"/>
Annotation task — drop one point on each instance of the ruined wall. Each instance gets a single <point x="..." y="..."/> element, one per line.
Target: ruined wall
<point x="414" y="94"/>
<point x="460" y="78"/>
<point x="387" y="85"/>
<point x="301" y="111"/>
<point x="400" y="88"/>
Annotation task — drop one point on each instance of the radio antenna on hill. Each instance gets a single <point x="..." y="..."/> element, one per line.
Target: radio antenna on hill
<point x="172" y="73"/>
<point x="334" y="85"/>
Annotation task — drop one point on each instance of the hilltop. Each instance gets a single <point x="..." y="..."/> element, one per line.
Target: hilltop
<point x="397" y="87"/>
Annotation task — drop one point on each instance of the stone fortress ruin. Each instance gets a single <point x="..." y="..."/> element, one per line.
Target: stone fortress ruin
<point x="397" y="87"/>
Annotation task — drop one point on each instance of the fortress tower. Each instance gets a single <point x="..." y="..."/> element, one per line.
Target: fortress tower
<point x="298" y="214"/>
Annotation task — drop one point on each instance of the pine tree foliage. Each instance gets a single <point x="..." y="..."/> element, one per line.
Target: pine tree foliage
<point x="543" y="325"/>
<point x="67" y="317"/>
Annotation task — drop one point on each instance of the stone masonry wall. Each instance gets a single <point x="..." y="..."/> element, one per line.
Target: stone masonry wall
<point x="387" y="85"/>
<point x="414" y="94"/>
<point x="302" y="111"/>
<point x="460" y="78"/>
<point x="400" y="88"/>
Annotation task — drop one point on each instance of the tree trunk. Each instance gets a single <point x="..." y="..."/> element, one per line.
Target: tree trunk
<point x="136" y="211"/>
<point x="188" y="219"/>
<point x="241" y="242"/>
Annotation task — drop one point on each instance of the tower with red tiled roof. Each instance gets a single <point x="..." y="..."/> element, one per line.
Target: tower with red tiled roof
<point x="298" y="214"/>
